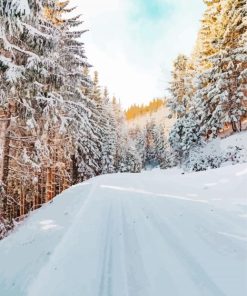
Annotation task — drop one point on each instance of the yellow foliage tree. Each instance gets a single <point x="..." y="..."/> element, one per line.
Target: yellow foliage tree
<point x="136" y="111"/>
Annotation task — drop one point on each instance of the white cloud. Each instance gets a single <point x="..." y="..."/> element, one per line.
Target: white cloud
<point x="134" y="59"/>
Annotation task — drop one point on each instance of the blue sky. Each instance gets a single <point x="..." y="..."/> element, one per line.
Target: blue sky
<point x="152" y="9"/>
<point x="132" y="43"/>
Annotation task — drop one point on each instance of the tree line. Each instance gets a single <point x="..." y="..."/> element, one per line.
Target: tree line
<point x="57" y="126"/>
<point x="208" y="90"/>
<point x="207" y="96"/>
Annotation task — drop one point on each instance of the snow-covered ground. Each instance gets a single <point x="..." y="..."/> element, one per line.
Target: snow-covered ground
<point x="152" y="234"/>
<point x="219" y="152"/>
<point x="237" y="139"/>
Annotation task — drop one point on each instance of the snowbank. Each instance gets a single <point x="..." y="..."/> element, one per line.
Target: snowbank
<point x="219" y="152"/>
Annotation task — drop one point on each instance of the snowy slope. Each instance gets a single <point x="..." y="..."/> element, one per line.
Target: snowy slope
<point x="237" y="139"/>
<point x="218" y="153"/>
<point x="150" y="234"/>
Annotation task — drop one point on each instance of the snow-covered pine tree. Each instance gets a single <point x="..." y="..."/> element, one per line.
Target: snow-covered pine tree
<point x="160" y="143"/>
<point x="79" y="117"/>
<point x="151" y="149"/>
<point x="26" y="43"/>
<point x="221" y="88"/>
<point x="186" y="132"/>
<point x="121" y="133"/>
<point x="42" y="104"/>
<point x="138" y="135"/>
<point x="11" y="12"/>
<point x="127" y="158"/>
<point x="107" y="125"/>
<point x="207" y="43"/>
<point x="130" y="160"/>
<point x="169" y="156"/>
<point x="109" y="136"/>
<point x="87" y="162"/>
<point x="233" y="61"/>
<point x="185" y="135"/>
<point x="180" y="87"/>
<point x="180" y="102"/>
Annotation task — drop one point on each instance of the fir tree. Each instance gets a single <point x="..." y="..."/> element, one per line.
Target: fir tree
<point x="179" y="87"/>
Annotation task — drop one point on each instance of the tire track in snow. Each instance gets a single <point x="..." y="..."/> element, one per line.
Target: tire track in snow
<point x="113" y="270"/>
<point x="149" y="270"/>
<point x="199" y="276"/>
<point x="105" y="280"/>
<point x="135" y="272"/>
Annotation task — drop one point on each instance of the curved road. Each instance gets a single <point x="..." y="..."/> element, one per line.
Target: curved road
<point x="151" y="234"/>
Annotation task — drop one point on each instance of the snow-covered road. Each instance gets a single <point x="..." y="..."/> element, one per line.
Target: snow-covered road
<point x="150" y="234"/>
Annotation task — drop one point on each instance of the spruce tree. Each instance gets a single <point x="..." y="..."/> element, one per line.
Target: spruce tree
<point x="220" y="89"/>
<point x="180" y="91"/>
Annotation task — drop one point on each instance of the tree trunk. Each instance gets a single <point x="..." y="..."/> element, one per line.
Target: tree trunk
<point x="74" y="170"/>
<point x="4" y="157"/>
<point x="4" y="142"/>
<point x="234" y="127"/>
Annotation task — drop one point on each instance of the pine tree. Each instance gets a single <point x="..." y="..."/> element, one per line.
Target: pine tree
<point x="180" y="103"/>
<point x="130" y="161"/>
<point x="109" y="137"/>
<point x="209" y="35"/>
<point x="121" y="133"/>
<point x="42" y="103"/>
<point x="220" y="90"/>
<point x="180" y="87"/>
<point x="185" y="135"/>
<point x="151" y="157"/>
<point x="160" y="143"/>
<point x="217" y="96"/>
<point x="26" y="47"/>
<point x="139" y="137"/>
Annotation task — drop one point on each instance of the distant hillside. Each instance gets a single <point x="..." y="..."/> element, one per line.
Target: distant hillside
<point x="136" y="111"/>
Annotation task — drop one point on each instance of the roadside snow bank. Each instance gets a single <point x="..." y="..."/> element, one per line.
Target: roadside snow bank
<point x="219" y="152"/>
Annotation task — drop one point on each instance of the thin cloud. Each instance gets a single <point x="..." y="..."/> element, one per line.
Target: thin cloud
<point x="133" y="47"/>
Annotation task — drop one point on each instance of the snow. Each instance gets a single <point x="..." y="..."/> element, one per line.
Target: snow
<point x="234" y="148"/>
<point x="151" y="234"/>
<point x="237" y="139"/>
<point x="219" y="152"/>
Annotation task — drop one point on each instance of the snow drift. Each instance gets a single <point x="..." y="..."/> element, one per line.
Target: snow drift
<point x="218" y="152"/>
